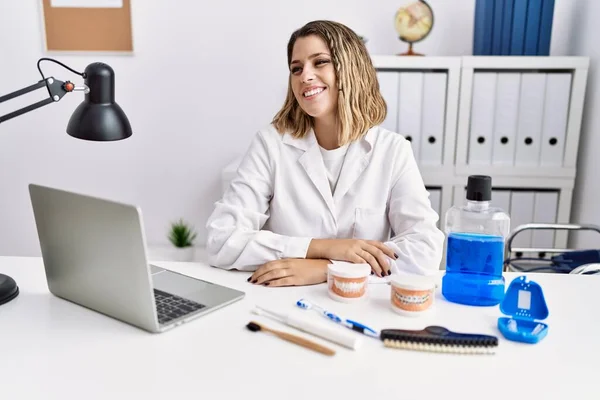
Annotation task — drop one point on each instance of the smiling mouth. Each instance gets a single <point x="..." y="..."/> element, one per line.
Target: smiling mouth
<point x="313" y="92"/>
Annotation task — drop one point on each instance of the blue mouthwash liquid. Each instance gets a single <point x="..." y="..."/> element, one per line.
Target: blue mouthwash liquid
<point x="474" y="269"/>
<point x="476" y="234"/>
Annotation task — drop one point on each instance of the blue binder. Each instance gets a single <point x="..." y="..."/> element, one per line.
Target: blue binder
<point x="483" y="29"/>
<point x="546" y="27"/>
<point x="532" y="27"/>
<point x="517" y="40"/>
<point x="507" y="21"/>
<point x="497" y="26"/>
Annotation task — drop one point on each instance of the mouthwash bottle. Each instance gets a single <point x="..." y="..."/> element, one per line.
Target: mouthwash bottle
<point x="475" y="249"/>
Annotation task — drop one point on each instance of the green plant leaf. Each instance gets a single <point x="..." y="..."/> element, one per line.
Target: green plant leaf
<point x="181" y="234"/>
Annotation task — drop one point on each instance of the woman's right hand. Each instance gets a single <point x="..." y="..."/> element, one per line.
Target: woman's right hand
<point x="355" y="251"/>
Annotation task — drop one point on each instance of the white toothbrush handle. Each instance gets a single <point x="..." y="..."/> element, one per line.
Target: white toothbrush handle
<point x="332" y="333"/>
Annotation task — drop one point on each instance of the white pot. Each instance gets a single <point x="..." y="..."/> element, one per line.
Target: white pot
<point x="184" y="254"/>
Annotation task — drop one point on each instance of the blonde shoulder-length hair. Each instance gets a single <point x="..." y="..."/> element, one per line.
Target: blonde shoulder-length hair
<point x="360" y="103"/>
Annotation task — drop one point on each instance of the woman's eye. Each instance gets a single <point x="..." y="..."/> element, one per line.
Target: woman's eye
<point x="321" y="62"/>
<point x="295" y="70"/>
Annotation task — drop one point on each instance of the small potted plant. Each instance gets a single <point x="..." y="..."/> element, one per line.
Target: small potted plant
<point x="182" y="236"/>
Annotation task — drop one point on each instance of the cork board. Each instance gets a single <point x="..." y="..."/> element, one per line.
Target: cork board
<point x="88" y="28"/>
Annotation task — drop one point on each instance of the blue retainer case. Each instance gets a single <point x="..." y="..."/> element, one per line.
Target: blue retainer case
<point x="524" y="302"/>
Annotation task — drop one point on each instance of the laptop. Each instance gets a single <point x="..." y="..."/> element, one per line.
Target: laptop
<point x="94" y="253"/>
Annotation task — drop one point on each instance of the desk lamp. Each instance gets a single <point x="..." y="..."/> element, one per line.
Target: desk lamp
<point x="97" y="118"/>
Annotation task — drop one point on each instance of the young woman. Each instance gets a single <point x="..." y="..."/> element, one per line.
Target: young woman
<point x="324" y="181"/>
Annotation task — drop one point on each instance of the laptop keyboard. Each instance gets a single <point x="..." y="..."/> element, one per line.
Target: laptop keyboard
<point x="170" y="307"/>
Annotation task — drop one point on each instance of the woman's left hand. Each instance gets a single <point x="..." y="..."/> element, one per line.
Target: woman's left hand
<point x="291" y="272"/>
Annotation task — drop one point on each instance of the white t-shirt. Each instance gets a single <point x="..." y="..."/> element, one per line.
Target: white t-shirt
<point x="333" y="160"/>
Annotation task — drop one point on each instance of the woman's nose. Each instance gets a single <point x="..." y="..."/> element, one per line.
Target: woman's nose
<point x="307" y="75"/>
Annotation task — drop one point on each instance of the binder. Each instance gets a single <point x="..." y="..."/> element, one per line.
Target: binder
<point x="556" y="110"/>
<point x="484" y="22"/>
<point x="459" y="197"/>
<point x="507" y="19"/>
<point x="521" y="212"/>
<point x="546" y="28"/>
<point x="435" y="197"/>
<point x="497" y="27"/>
<point x="410" y="100"/>
<point x="482" y="118"/>
<point x="501" y="199"/>
<point x="505" y="119"/>
<point x="519" y="22"/>
<point x="388" y="86"/>
<point x="531" y="114"/>
<point x="532" y="28"/>
<point x="434" y="112"/>
<point x="546" y="208"/>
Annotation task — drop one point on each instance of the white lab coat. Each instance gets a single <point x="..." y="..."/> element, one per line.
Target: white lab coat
<point x="280" y="199"/>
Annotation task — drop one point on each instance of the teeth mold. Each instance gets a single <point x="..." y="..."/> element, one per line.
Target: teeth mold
<point x="412" y="295"/>
<point x="347" y="282"/>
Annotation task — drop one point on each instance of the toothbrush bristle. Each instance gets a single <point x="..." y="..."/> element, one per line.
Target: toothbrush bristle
<point x="254" y="327"/>
<point x="438" y="348"/>
<point x="303" y="304"/>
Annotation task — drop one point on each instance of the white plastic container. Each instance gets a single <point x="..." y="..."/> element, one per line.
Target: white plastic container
<point x="412" y="295"/>
<point x="347" y="282"/>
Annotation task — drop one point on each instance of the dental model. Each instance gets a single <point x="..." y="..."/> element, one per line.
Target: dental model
<point x="412" y="295"/>
<point x="347" y="282"/>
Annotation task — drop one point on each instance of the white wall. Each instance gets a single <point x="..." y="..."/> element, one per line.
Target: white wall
<point x="586" y="207"/>
<point x="204" y="77"/>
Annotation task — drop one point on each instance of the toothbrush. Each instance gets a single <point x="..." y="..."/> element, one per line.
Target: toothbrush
<point x="340" y="337"/>
<point x="355" y="326"/>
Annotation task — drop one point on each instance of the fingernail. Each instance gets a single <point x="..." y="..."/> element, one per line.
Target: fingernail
<point x="267" y="283"/>
<point x="372" y="272"/>
<point x="254" y="281"/>
<point x="396" y="255"/>
<point x="248" y="280"/>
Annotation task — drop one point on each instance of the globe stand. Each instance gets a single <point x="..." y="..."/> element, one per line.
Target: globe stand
<point x="410" y="52"/>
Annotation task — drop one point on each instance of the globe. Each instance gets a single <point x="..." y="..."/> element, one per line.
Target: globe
<point x="413" y="23"/>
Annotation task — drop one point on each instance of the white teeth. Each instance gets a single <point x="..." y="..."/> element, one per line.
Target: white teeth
<point x="313" y="92"/>
<point x="349" y="287"/>
<point x="412" y="299"/>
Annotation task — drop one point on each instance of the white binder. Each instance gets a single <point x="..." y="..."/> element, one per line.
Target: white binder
<point x="388" y="86"/>
<point x="521" y="212"/>
<point x="546" y="207"/>
<point x="409" y="108"/>
<point x="433" y="116"/>
<point x="505" y="118"/>
<point x="482" y="118"/>
<point x="459" y="197"/>
<point x="531" y="114"/>
<point x="435" y="197"/>
<point x="501" y="199"/>
<point x="556" y="110"/>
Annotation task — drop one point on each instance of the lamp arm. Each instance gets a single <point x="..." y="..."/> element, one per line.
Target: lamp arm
<point x="56" y="90"/>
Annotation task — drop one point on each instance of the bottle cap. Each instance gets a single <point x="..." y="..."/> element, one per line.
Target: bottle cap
<point x="479" y="188"/>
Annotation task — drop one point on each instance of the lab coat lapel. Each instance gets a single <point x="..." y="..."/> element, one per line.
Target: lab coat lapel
<point x="357" y="159"/>
<point x="312" y="162"/>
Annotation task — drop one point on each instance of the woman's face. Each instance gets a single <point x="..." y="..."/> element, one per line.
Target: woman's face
<point x="313" y="77"/>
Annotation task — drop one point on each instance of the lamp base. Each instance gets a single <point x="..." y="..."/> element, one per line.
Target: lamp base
<point x="8" y="289"/>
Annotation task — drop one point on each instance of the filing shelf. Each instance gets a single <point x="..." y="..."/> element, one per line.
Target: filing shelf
<point x="450" y="176"/>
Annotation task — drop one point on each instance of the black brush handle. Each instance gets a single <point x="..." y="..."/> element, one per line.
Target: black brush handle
<point x="439" y="335"/>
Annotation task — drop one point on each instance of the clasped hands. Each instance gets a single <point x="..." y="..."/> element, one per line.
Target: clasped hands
<point x="313" y="269"/>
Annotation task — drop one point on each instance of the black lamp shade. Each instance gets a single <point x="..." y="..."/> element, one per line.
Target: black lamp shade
<point x="98" y="117"/>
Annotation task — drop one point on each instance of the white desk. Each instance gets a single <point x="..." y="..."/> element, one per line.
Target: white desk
<point x="52" y="349"/>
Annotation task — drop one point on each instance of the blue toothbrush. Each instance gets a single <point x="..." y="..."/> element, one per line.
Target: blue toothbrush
<point x="355" y="326"/>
